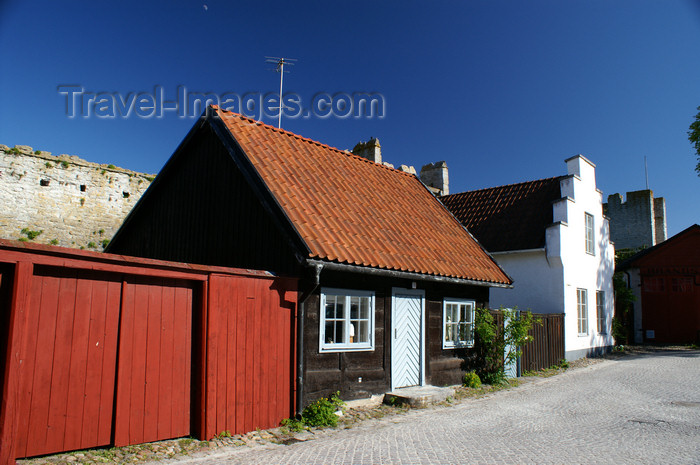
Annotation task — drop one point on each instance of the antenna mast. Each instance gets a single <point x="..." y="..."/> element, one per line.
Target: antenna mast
<point x="646" y="171"/>
<point x="280" y="62"/>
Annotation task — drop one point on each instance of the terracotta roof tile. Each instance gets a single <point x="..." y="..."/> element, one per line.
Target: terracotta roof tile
<point x="348" y="209"/>
<point x="512" y="217"/>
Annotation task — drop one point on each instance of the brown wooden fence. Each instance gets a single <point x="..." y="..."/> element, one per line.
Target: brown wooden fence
<point x="100" y="349"/>
<point x="547" y="346"/>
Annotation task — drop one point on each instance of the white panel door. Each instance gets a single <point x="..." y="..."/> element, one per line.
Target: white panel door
<point x="407" y="346"/>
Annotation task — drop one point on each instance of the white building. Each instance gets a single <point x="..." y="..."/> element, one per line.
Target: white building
<point x="551" y="237"/>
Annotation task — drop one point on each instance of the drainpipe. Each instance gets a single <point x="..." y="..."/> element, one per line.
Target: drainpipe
<point x="316" y="280"/>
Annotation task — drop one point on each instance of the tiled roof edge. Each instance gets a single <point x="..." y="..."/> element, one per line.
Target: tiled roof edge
<point x="508" y="185"/>
<point x="308" y="140"/>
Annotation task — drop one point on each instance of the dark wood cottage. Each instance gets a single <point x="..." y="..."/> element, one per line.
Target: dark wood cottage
<point x="389" y="278"/>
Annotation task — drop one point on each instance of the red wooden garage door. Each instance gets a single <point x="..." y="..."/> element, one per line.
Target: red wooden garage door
<point x="153" y="385"/>
<point x="68" y="362"/>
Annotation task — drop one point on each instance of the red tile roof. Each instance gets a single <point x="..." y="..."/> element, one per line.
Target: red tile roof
<point x="350" y="210"/>
<point x="512" y="217"/>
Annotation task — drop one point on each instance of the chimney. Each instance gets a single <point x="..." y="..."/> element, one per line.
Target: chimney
<point x="370" y="150"/>
<point x="434" y="175"/>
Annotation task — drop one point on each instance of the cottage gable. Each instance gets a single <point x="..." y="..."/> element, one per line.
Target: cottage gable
<point x="349" y="210"/>
<point x="234" y="180"/>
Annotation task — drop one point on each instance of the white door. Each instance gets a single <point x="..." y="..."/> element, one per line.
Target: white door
<point x="407" y="365"/>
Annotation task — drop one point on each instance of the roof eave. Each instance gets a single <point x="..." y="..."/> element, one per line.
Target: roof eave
<point x="402" y="274"/>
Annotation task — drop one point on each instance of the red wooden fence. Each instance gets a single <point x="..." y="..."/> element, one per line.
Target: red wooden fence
<point x="101" y="349"/>
<point x="248" y="317"/>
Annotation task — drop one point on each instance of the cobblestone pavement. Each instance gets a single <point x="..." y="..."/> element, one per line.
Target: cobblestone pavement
<point x="637" y="409"/>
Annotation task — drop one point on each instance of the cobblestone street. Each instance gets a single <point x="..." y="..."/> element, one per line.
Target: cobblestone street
<point x="642" y="408"/>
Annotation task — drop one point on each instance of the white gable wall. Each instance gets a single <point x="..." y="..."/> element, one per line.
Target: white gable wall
<point x="592" y="272"/>
<point x="546" y="280"/>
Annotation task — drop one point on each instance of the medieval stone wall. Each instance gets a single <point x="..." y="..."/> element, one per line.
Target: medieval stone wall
<point x="64" y="200"/>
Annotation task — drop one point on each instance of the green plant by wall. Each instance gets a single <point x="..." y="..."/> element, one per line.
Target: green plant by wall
<point x="293" y="424"/>
<point x="472" y="380"/>
<point x="31" y="235"/>
<point x="64" y="164"/>
<point x="105" y="243"/>
<point x="622" y="324"/>
<point x="91" y="245"/>
<point x="54" y="242"/>
<point x="322" y="412"/>
<point x="491" y="341"/>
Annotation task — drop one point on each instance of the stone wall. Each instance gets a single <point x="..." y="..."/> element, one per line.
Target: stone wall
<point x="70" y="201"/>
<point x="638" y="222"/>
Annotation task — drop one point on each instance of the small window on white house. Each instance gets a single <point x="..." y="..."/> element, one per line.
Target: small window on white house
<point x="582" y="307"/>
<point x="590" y="236"/>
<point x="458" y="323"/>
<point x="347" y="320"/>
<point x="600" y="311"/>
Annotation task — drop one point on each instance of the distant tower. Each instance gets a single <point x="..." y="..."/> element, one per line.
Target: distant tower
<point x="638" y="222"/>
<point x="435" y="176"/>
<point x="370" y="150"/>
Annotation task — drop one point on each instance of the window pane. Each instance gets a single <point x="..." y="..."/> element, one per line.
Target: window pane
<point x="364" y="308"/>
<point x="354" y="307"/>
<point x="339" y="327"/>
<point x="455" y="313"/>
<point x="448" y="332"/>
<point x="330" y="338"/>
<point x="362" y="335"/>
<point x="468" y="313"/>
<point x="463" y="332"/>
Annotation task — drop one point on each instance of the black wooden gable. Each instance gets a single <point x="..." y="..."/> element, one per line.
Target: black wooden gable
<point x="202" y="208"/>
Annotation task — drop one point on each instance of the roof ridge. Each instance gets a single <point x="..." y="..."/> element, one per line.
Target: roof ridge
<point x="506" y="185"/>
<point x="308" y="140"/>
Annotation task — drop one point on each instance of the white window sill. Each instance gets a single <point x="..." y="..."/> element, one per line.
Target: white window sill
<point x="345" y="348"/>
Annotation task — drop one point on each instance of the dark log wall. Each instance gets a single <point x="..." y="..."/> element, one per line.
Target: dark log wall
<point x="447" y="366"/>
<point x="200" y="209"/>
<point x="326" y="373"/>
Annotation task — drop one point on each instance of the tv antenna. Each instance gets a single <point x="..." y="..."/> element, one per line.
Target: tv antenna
<point x="280" y="62"/>
<point x="646" y="171"/>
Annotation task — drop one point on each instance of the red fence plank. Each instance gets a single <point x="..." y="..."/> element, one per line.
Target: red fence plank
<point x="11" y="395"/>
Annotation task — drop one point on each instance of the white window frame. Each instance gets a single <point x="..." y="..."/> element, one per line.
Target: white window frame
<point x="582" y="311"/>
<point x="345" y="345"/>
<point x="589" y="225"/>
<point x="471" y="305"/>
<point x="600" y="311"/>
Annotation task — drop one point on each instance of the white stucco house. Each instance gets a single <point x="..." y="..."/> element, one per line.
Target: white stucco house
<point x="551" y="237"/>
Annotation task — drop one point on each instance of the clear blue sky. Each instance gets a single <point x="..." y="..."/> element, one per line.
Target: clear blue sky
<point x="504" y="91"/>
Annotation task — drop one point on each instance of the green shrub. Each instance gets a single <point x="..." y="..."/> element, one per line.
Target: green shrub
<point x="322" y="412"/>
<point x="293" y="424"/>
<point x="472" y="380"/>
